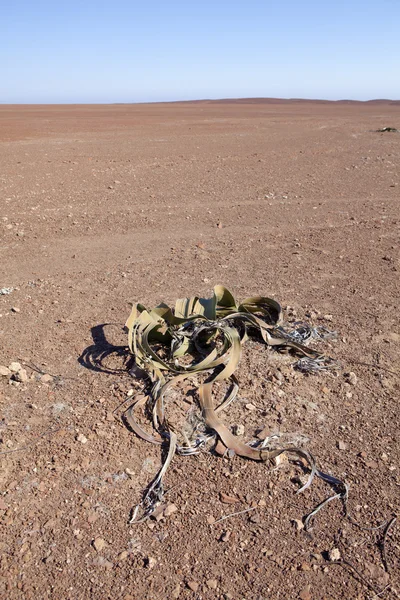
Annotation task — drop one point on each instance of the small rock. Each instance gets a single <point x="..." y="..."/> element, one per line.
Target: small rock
<point x="176" y="592"/>
<point x="100" y="561"/>
<point x="328" y="317"/>
<point x="81" y="438"/>
<point x="21" y="376"/>
<point x="334" y="554"/>
<point x="193" y="585"/>
<point x="227" y="499"/>
<point x="123" y="555"/>
<point x="212" y="584"/>
<point x="325" y="390"/>
<point x="99" y="544"/>
<point x="150" y="562"/>
<point x="238" y="429"/>
<point x="298" y="524"/>
<point x="3" y="505"/>
<point x="210" y="520"/>
<point x="305" y="593"/>
<point x="305" y="567"/>
<point x="219" y="225"/>
<point x="130" y="473"/>
<point x="395" y="337"/>
<point x="14" y="309"/>
<point x="341" y="445"/>
<point x="250" y="406"/>
<point x="170" y="510"/>
<point x="46" y="378"/>
<point x="372" y="464"/>
<point x="351" y="378"/>
<point x="4" y="371"/>
<point x="15" y="367"/>
<point x="225" y="536"/>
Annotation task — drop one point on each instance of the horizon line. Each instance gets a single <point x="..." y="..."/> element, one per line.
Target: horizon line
<point x="247" y="99"/>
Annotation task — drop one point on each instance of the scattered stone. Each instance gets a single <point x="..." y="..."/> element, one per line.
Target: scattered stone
<point x="210" y="520"/>
<point x="15" y="367"/>
<point x="170" y="510"/>
<point x="395" y="337"/>
<point x="250" y="406"/>
<point x="123" y="555"/>
<point x="351" y="378"/>
<point x="225" y="499"/>
<point x="342" y="445"/>
<point x="225" y="536"/>
<point x="14" y="309"/>
<point x="100" y="561"/>
<point x="334" y="554"/>
<point x="130" y="473"/>
<point x="176" y="592"/>
<point x="298" y="524"/>
<point x="325" y="390"/>
<point x="21" y="376"/>
<point x="81" y="438"/>
<point x="328" y="317"/>
<point x="6" y="291"/>
<point x="212" y="584"/>
<point x="193" y="585"/>
<point x="238" y="429"/>
<point x="46" y="378"/>
<point x="4" y="371"/>
<point x="99" y="544"/>
<point x="150" y="562"/>
<point x="305" y="593"/>
<point x="219" y="225"/>
<point x="305" y="567"/>
<point x="372" y="464"/>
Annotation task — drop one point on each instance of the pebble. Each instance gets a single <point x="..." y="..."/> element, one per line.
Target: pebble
<point x="176" y="593"/>
<point x="123" y="555"/>
<point x="46" y="378"/>
<point x="150" y="562"/>
<point x="334" y="554"/>
<point x="351" y="378"/>
<point x="99" y="544"/>
<point x="342" y="445"/>
<point x="238" y="429"/>
<point x="170" y="510"/>
<point x="15" y="309"/>
<point x="15" y="367"/>
<point x="4" y="371"/>
<point x="193" y="585"/>
<point x="226" y="499"/>
<point x="130" y="473"/>
<point x="305" y="593"/>
<point x="395" y="337"/>
<point x="328" y="317"/>
<point x="212" y="584"/>
<point x="81" y="438"/>
<point x="250" y="406"/>
<point x="21" y="376"/>
<point x="225" y="536"/>
<point x="298" y="524"/>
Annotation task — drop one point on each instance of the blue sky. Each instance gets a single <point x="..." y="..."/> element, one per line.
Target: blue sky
<point x="128" y="51"/>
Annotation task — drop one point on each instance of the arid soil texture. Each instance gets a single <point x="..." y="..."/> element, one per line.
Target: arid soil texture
<point x="102" y="206"/>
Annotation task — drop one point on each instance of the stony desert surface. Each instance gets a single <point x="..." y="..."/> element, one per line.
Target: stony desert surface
<point x="102" y="206"/>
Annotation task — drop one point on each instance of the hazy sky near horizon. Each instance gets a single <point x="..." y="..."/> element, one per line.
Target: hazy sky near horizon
<point x="128" y="51"/>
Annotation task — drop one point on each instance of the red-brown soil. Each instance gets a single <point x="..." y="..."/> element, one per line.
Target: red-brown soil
<point x="104" y="205"/>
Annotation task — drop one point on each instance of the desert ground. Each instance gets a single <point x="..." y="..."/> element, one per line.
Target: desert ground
<point x="102" y="206"/>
